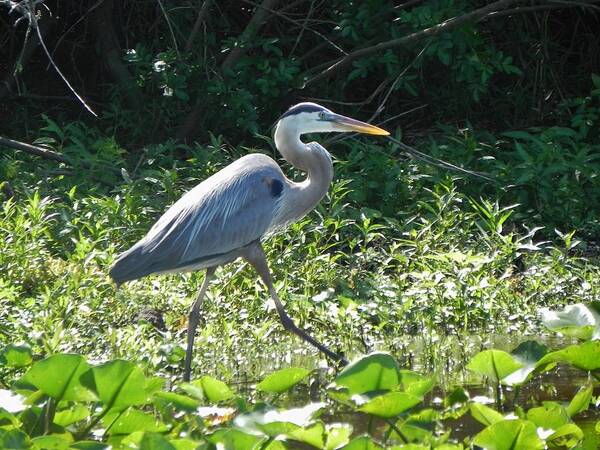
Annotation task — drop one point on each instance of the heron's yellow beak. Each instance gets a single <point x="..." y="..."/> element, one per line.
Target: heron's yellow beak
<point x="349" y="124"/>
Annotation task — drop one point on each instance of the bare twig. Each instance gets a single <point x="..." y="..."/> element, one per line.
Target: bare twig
<point x="198" y="24"/>
<point x="162" y="8"/>
<point x="29" y="12"/>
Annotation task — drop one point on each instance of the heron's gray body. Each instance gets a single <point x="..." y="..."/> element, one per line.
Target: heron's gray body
<point x="209" y="224"/>
<point x="228" y="214"/>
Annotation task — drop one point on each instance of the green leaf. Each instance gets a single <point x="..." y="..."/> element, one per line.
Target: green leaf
<point x="336" y="435"/>
<point x="390" y="404"/>
<point x="415" y="383"/>
<point x="567" y="436"/>
<point x="16" y="356"/>
<point x="550" y="416"/>
<point x="581" y="401"/>
<point x="584" y="356"/>
<point x="71" y="415"/>
<point x="90" y="445"/>
<point x="51" y="442"/>
<point x="494" y="364"/>
<point x="579" y="320"/>
<point x="362" y="443"/>
<point x="282" y="380"/>
<point x="208" y="387"/>
<point x="59" y="377"/>
<point x="485" y="414"/>
<point x="130" y="421"/>
<point x="311" y="435"/>
<point x="234" y="439"/>
<point x="118" y="384"/>
<point x="179" y="402"/>
<point x="146" y="441"/>
<point x="14" y="440"/>
<point x="374" y="372"/>
<point x="185" y="444"/>
<point x="509" y="435"/>
<point x="528" y="353"/>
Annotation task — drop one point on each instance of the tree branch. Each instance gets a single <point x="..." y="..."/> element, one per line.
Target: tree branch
<point x="447" y="25"/>
<point x="33" y="150"/>
<point x="199" y="21"/>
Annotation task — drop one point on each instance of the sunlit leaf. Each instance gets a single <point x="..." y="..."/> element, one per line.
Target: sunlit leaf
<point x="90" y="445"/>
<point x="234" y="439"/>
<point x="16" y="356"/>
<point x="51" y="442"/>
<point x="494" y="364"/>
<point x="584" y="356"/>
<point x="59" y="377"/>
<point x="550" y="416"/>
<point x="337" y="435"/>
<point x="579" y="320"/>
<point x="72" y="415"/>
<point x="528" y="353"/>
<point x="374" y="372"/>
<point x="509" y="435"/>
<point x="581" y="401"/>
<point x="147" y="441"/>
<point x="178" y="401"/>
<point x="130" y="421"/>
<point x="362" y="443"/>
<point x="118" y="384"/>
<point x="485" y="414"/>
<point x="390" y="404"/>
<point x="282" y="380"/>
<point x="566" y="436"/>
<point x="208" y="387"/>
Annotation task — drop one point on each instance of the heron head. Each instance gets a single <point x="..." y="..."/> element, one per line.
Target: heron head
<point x="312" y="118"/>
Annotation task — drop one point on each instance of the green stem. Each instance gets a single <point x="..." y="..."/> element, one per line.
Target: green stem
<point x="49" y="415"/>
<point x="397" y="430"/>
<point x="83" y="433"/>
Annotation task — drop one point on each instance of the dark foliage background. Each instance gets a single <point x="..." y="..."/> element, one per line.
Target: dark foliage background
<point x="506" y="87"/>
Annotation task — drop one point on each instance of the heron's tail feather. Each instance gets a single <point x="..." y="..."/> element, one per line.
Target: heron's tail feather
<point x="130" y="265"/>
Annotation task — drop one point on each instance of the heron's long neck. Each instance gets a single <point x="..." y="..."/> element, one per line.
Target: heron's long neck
<point x="315" y="161"/>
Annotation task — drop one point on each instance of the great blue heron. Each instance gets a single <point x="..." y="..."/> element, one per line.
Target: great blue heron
<point x="228" y="214"/>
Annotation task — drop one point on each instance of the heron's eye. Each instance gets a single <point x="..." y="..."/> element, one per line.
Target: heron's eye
<point x="322" y="115"/>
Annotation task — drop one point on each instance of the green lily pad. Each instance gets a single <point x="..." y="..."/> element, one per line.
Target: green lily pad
<point x="581" y="401"/>
<point x="208" y="388"/>
<point x="51" y="442"/>
<point x="485" y="414"/>
<point x="118" y="384"/>
<point x="282" y="380"/>
<point x="178" y="401"/>
<point x="390" y="404"/>
<point x="528" y="353"/>
<point x="16" y="356"/>
<point x="494" y="364"/>
<point x="509" y="435"/>
<point x="374" y="372"/>
<point x="234" y="439"/>
<point x="130" y="421"/>
<point x="14" y="440"/>
<point x="362" y="443"/>
<point x="567" y="436"/>
<point x="72" y="415"/>
<point x="579" y="320"/>
<point x="59" y="377"/>
<point x="550" y="415"/>
<point x="584" y="356"/>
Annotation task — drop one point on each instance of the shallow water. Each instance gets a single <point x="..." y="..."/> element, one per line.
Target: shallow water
<point x="443" y="357"/>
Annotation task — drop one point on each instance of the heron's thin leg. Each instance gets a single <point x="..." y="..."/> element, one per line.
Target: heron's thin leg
<point x="193" y="319"/>
<point x="255" y="255"/>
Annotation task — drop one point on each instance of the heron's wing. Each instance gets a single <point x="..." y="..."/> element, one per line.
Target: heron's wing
<point x="227" y="211"/>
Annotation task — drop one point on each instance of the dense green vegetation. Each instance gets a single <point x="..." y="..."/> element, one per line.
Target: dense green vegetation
<point x="403" y="255"/>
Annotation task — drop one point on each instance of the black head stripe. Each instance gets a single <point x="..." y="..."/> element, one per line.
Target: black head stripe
<point x="302" y="108"/>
